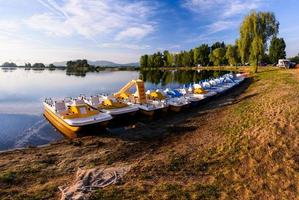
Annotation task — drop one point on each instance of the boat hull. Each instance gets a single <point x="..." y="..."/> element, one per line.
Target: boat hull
<point x="115" y="114"/>
<point x="123" y="115"/>
<point x="149" y="113"/>
<point x="178" y="108"/>
<point x="71" y="131"/>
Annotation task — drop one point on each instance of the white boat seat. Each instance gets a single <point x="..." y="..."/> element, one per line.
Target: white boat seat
<point x="94" y="101"/>
<point x="79" y="101"/>
<point x="60" y="107"/>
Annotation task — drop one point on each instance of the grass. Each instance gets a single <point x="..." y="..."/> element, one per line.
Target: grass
<point x="245" y="150"/>
<point x="7" y="178"/>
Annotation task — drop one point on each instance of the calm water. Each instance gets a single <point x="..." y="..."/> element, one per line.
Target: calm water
<point x="22" y="92"/>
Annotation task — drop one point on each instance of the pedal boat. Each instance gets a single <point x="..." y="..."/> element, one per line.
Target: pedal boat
<point x="206" y="85"/>
<point x="226" y="82"/>
<point x="157" y="98"/>
<point x="146" y="106"/>
<point x="111" y="105"/>
<point x="176" y="100"/>
<point x="73" y="116"/>
<point x="195" y="95"/>
<point x="217" y="83"/>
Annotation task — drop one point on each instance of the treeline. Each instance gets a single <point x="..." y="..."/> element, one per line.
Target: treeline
<point x="9" y="64"/>
<point x="35" y="65"/>
<point x="27" y="65"/>
<point x="256" y="31"/>
<point x="215" y="55"/>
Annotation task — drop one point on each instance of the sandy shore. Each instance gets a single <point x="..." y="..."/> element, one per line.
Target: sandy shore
<point x="239" y="146"/>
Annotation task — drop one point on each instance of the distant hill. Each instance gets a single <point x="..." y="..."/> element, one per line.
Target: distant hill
<point x="102" y="63"/>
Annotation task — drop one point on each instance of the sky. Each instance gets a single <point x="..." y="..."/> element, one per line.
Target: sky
<point x="123" y="30"/>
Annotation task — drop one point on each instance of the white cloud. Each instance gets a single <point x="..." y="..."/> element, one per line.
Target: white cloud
<point x="89" y="18"/>
<point x="134" y="32"/>
<point x="223" y="8"/>
<point x="9" y="25"/>
<point x="237" y="7"/>
<point x="50" y="24"/>
<point x="124" y="46"/>
<point x="220" y="25"/>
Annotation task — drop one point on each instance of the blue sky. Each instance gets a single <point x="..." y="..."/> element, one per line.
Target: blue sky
<point x="122" y="30"/>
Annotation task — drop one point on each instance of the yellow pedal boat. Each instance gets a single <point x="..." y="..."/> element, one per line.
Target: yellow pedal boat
<point x="146" y="106"/>
<point x="73" y="116"/>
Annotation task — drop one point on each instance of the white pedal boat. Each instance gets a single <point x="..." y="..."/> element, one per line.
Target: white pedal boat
<point x="176" y="100"/>
<point x="110" y="105"/>
<point x="151" y="107"/>
<point x="191" y="96"/>
<point x="73" y="115"/>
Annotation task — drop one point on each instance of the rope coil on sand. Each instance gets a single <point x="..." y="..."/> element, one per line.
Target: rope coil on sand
<point x="91" y="179"/>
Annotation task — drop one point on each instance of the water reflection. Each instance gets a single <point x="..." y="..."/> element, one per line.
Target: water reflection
<point x="164" y="78"/>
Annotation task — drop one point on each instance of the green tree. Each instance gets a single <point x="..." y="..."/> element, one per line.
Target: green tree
<point x="232" y="55"/>
<point x="191" y="56"/>
<point x="167" y="58"/>
<point x="38" y="65"/>
<point x="186" y="59"/>
<point x="77" y="64"/>
<point x="78" y="67"/>
<point x="217" y="56"/>
<point x="52" y="66"/>
<point x="144" y="61"/>
<point x="178" y="61"/>
<point x="255" y="31"/>
<point x="8" y="64"/>
<point x="158" y="60"/>
<point x="204" y="52"/>
<point x="170" y="59"/>
<point x="217" y="45"/>
<point x="295" y="59"/>
<point x="196" y="56"/>
<point x="150" y="61"/>
<point x="277" y="49"/>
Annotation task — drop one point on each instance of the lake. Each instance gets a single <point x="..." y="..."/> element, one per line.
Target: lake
<point x="22" y="92"/>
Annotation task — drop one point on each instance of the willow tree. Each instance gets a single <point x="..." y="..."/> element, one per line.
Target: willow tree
<point x="217" y="56"/>
<point x="256" y="30"/>
<point x="232" y="55"/>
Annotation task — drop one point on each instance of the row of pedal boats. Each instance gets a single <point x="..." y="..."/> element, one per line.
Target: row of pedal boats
<point x="75" y="114"/>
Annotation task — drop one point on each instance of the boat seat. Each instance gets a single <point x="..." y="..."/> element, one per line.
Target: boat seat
<point x="94" y="101"/>
<point x="60" y="107"/>
<point x="200" y="91"/>
<point x="79" y="101"/>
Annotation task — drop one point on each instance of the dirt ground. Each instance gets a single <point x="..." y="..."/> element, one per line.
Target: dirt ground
<point x="243" y="145"/>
